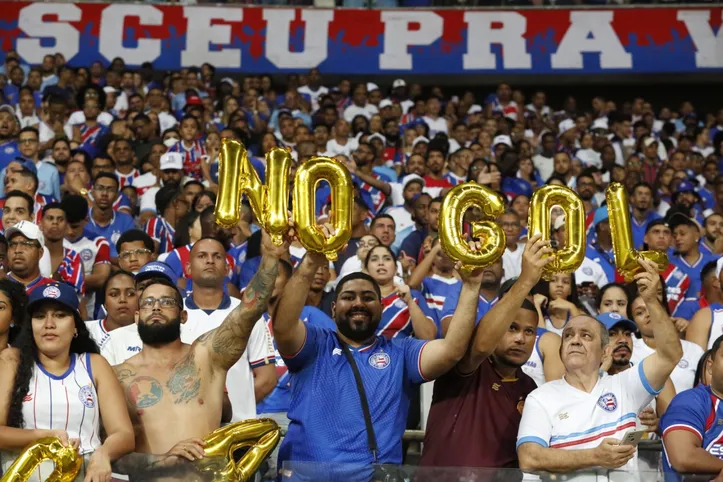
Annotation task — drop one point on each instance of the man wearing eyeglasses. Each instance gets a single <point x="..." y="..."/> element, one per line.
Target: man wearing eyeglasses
<point x="135" y="250"/>
<point x="48" y="177"/>
<point x="174" y="391"/>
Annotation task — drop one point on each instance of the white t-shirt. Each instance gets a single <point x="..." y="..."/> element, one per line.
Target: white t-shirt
<point x="314" y="95"/>
<point x="121" y="344"/>
<point x="333" y="148"/>
<point x="98" y="333"/>
<point x="512" y="262"/>
<point x="588" y="271"/>
<point x="147" y="201"/>
<point x="402" y="218"/>
<point x="45" y="133"/>
<point x="557" y="415"/>
<point x="435" y="125"/>
<point x="545" y="166"/>
<point x="78" y="117"/>
<point x="354" y="110"/>
<point x="683" y="374"/>
<point x="259" y="351"/>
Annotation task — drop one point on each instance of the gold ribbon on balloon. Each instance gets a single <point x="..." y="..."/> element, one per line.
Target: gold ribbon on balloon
<point x="237" y="176"/>
<point x="259" y="436"/>
<point x="451" y="235"/>
<point x="568" y="259"/>
<point x="66" y="459"/>
<point x="308" y="175"/>
<point x="626" y="256"/>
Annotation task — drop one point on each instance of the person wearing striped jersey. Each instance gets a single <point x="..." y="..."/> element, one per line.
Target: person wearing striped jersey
<point x="577" y="422"/>
<point x="405" y="311"/>
<point x="171" y="172"/>
<point x="172" y="206"/>
<point x="53" y="383"/>
<point x="692" y="438"/>
<point x="123" y="157"/>
<point x="65" y="263"/>
<point x="120" y="300"/>
<point x="435" y="277"/>
<point x="191" y="147"/>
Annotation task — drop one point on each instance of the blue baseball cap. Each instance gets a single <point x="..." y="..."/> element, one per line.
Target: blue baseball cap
<point x="611" y="320"/>
<point x="514" y="186"/>
<point x="601" y="214"/>
<point x="26" y="164"/>
<point x="155" y="269"/>
<point x="685" y="186"/>
<point x="61" y="293"/>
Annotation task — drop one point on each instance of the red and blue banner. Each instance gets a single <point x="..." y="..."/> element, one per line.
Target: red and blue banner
<point x="350" y="41"/>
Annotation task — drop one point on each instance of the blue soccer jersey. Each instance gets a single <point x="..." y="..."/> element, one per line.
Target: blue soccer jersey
<point x="326" y="419"/>
<point x="452" y="300"/>
<point x="280" y="398"/>
<point x="119" y="224"/>
<point x="436" y="288"/>
<point x="693" y="271"/>
<point x="699" y="412"/>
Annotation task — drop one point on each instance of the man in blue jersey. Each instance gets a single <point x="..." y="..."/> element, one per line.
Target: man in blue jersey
<point x="326" y="420"/>
<point x="8" y="140"/>
<point x="692" y="432"/>
<point x="103" y="221"/>
<point x="688" y="258"/>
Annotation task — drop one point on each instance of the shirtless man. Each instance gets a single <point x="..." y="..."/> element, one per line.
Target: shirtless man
<point x="174" y="391"/>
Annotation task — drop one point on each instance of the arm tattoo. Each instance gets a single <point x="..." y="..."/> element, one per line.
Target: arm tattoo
<point x="229" y="340"/>
<point x="184" y="382"/>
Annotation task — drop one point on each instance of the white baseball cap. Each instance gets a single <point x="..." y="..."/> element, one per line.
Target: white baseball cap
<point x="27" y="229"/>
<point x="171" y="160"/>
<point x="474" y="109"/>
<point x="109" y="90"/>
<point x="559" y="222"/>
<point x="371" y="86"/>
<point x="601" y="123"/>
<point x="399" y="83"/>
<point x="565" y="125"/>
<point x="377" y="135"/>
<point x="420" y="139"/>
<point x="412" y="177"/>
<point x="502" y="140"/>
<point x="650" y="140"/>
<point x="385" y="103"/>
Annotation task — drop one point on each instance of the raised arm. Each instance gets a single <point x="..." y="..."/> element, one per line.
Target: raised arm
<point x="227" y="343"/>
<point x="423" y="268"/>
<point x="497" y="321"/>
<point x="552" y="364"/>
<point x="658" y="366"/>
<point x="699" y="328"/>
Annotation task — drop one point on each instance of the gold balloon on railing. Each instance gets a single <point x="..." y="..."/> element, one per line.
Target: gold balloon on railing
<point x="626" y="256"/>
<point x="66" y="459"/>
<point x="308" y="176"/>
<point x="237" y="176"/>
<point x="451" y="235"/>
<point x="259" y="436"/>
<point x="568" y="259"/>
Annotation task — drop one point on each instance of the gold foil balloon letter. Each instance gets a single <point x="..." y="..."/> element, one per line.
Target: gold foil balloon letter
<point x="451" y="236"/>
<point x="569" y="258"/>
<point x="66" y="459"/>
<point x="308" y="176"/>
<point x="237" y="176"/>
<point x="626" y="256"/>
<point x="260" y="437"/>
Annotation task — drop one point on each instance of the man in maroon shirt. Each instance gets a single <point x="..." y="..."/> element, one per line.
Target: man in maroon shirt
<point x="477" y="406"/>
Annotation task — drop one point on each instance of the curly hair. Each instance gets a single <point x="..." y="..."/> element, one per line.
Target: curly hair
<point x="25" y="343"/>
<point x="15" y="292"/>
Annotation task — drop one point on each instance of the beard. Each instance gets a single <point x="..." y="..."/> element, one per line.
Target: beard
<point x="153" y="333"/>
<point x="358" y="332"/>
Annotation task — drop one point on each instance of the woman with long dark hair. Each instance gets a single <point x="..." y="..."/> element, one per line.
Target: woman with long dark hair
<point x="53" y="383"/>
<point x="556" y="301"/>
<point x="13" y="302"/>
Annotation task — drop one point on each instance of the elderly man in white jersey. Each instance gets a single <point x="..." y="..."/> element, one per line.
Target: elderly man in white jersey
<point x="577" y="422"/>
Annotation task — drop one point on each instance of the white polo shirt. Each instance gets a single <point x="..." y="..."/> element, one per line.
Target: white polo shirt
<point x="259" y="351"/>
<point x="121" y="344"/>
<point x="559" y="416"/>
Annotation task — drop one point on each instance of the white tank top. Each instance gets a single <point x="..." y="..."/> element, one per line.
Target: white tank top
<point x="534" y="367"/>
<point x="716" y="323"/>
<point x="67" y="402"/>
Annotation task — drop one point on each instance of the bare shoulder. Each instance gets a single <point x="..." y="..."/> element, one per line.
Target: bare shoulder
<point x="124" y="371"/>
<point x="550" y="339"/>
<point x="10" y="355"/>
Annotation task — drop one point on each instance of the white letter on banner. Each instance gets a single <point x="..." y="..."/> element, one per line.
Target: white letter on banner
<point x="67" y="37"/>
<point x="591" y="32"/>
<point x="709" y="47"/>
<point x="481" y="36"/>
<point x="112" y="24"/>
<point x="398" y="38"/>
<point x="316" y="35"/>
<point x="200" y="33"/>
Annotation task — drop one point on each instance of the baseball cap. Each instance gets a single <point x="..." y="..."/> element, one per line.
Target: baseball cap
<point x="506" y="140"/>
<point x="412" y="178"/>
<point x="655" y="222"/>
<point x="599" y="124"/>
<point x="61" y="293"/>
<point x="27" y="229"/>
<point x="559" y="222"/>
<point x="680" y="219"/>
<point x="155" y="269"/>
<point x="514" y="186"/>
<point x="650" y="140"/>
<point x="371" y="86"/>
<point x="228" y="80"/>
<point x="418" y="140"/>
<point x="399" y="83"/>
<point x="109" y="90"/>
<point x="685" y="186"/>
<point x="171" y="160"/>
<point x="377" y="135"/>
<point x="565" y="125"/>
<point x="611" y="320"/>
<point x="474" y="109"/>
<point x="7" y="108"/>
<point x="385" y="103"/>
<point x="601" y="214"/>
<point x="193" y="100"/>
<point x="26" y="164"/>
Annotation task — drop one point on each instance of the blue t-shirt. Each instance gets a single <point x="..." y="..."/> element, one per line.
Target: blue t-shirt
<point x="452" y="300"/>
<point x="693" y="271"/>
<point x="119" y="224"/>
<point x="639" y="228"/>
<point x="697" y="411"/>
<point x="8" y="152"/>
<point x="280" y="398"/>
<point x="326" y="420"/>
<point x="605" y="259"/>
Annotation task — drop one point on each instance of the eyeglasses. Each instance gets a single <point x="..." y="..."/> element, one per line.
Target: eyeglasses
<point x="110" y="189"/>
<point x="134" y="252"/>
<point x="27" y="141"/>
<point x="164" y="301"/>
<point x="24" y="244"/>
